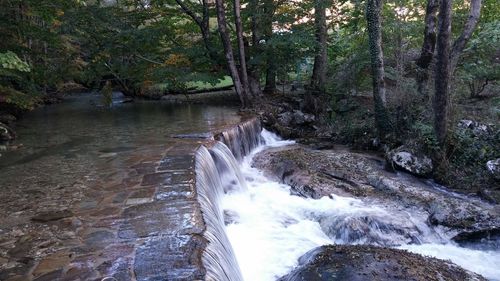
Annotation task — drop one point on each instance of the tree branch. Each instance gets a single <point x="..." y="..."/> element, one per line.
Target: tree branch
<point x="470" y="26"/>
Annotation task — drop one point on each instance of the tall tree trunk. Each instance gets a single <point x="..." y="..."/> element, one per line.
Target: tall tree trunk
<point x="267" y="23"/>
<point x="442" y="73"/>
<point x="228" y="52"/>
<point x="427" y="53"/>
<point x="373" y="8"/>
<point x="254" y="70"/>
<point x="241" y="47"/>
<point x="470" y="26"/>
<point x="318" y="78"/>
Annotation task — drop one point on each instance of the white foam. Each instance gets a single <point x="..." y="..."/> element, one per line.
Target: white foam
<point x="486" y="263"/>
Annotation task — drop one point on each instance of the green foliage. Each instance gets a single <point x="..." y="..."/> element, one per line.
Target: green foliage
<point x="11" y="61"/>
<point x="479" y="61"/>
<point x="468" y="153"/>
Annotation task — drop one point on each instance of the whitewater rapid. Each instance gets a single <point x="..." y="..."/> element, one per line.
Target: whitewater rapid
<point x="269" y="229"/>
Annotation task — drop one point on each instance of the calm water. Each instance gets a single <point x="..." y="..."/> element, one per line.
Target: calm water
<point x="79" y="140"/>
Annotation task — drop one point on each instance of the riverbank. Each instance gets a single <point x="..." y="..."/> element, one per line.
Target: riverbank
<point x="473" y="166"/>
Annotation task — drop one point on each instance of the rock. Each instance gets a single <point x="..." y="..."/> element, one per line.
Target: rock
<point x="406" y="160"/>
<point x="373" y="263"/>
<point x="489" y="239"/>
<point x="299" y="117"/>
<point x="285" y="119"/>
<point x="478" y="129"/>
<point x="493" y="167"/>
<point x="6" y="133"/>
<point x="371" y="228"/>
<point x="52" y="216"/>
<point x="313" y="173"/>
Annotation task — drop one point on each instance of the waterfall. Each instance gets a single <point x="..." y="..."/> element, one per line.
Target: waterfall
<point x="243" y="138"/>
<point x="217" y="172"/>
<point x="218" y="258"/>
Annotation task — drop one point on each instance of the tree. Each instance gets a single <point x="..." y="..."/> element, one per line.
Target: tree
<point x="318" y="78"/>
<point x="228" y="52"/>
<point x="269" y="8"/>
<point x="428" y="46"/>
<point x="442" y="73"/>
<point x="203" y="23"/>
<point x="373" y="8"/>
<point x="469" y="27"/>
<point x="241" y="48"/>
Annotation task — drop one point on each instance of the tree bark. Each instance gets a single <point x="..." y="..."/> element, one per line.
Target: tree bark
<point x="373" y="8"/>
<point x="228" y="52"/>
<point x="318" y="78"/>
<point x="254" y="70"/>
<point x="442" y="73"/>
<point x="470" y="26"/>
<point x="267" y="23"/>
<point x="241" y="47"/>
<point x="427" y="52"/>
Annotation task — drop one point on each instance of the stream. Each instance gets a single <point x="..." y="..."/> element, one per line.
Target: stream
<point x="152" y="191"/>
<point x="270" y="229"/>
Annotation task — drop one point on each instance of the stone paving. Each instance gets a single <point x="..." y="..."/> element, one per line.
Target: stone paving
<point x="137" y="221"/>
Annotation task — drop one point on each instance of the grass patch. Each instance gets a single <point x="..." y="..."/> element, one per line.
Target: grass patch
<point x="200" y="85"/>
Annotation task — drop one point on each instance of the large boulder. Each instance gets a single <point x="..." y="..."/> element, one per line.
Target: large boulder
<point x="406" y="160"/>
<point x="360" y="263"/>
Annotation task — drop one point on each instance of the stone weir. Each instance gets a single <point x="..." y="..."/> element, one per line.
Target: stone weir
<point x="158" y="220"/>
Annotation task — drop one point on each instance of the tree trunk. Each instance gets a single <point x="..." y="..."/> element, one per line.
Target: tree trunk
<point x="461" y="42"/>
<point x="373" y="8"/>
<point x="427" y="53"/>
<point x="228" y="52"/>
<point x="442" y="73"/>
<point x="241" y="47"/>
<point x="267" y="26"/>
<point x="318" y="78"/>
<point x="254" y="70"/>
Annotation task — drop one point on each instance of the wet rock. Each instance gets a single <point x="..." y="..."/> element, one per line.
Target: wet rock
<point x="489" y="239"/>
<point x="52" y="216"/>
<point x="313" y="173"/>
<point x="98" y="239"/>
<point x="52" y="264"/>
<point x="194" y="136"/>
<point x="404" y="159"/>
<point x="6" y="133"/>
<point x="372" y="263"/>
<point x="170" y="258"/>
<point x="493" y="167"/>
<point x="371" y="229"/>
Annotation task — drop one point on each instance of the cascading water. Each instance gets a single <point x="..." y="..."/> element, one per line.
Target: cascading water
<point x="269" y="229"/>
<point x="242" y="138"/>
<point x="218" y="258"/>
<point x="218" y="172"/>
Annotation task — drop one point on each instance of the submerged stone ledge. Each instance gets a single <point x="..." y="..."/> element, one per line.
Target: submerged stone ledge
<point x="142" y="222"/>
